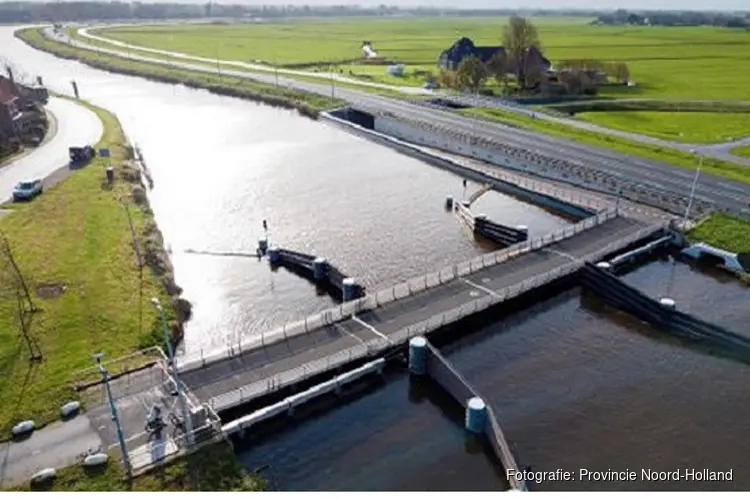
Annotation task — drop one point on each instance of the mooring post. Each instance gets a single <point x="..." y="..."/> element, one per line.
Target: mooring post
<point x="476" y="415"/>
<point x="449" y="202"/>
<point x="319" y="268"/>
<point x="263" y="245"/>
<point x="273" y="254"/>
<point x="418" y="356"/>
<point x="350" y="289"/>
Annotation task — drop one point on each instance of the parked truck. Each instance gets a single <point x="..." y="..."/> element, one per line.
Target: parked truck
<point x="80" y="155"/>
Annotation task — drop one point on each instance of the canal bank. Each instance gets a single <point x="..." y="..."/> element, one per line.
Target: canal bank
<point x="308" y="105"/>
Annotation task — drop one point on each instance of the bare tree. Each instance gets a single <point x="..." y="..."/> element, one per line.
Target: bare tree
<point x="519" y="36"/>
<point x="17" y="275"/>
<point x="14" y="285"/>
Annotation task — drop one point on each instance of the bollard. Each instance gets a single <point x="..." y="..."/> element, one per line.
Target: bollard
<point x="418" y="356"/>
<point x="319" y="267"/>
<point x="667" y="303"/>
<point x="263" y="245"/>
<point x="604" y="266"/>
<point x="110" y="175"/>
<point x="350" y="289"/>
<point x="273" y="254"/>
<point x="449" y="202"/>
<point x="476" y="414"/>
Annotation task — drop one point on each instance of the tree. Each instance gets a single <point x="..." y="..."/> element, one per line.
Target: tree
<point x="447" y="78"/>
<point x="471" y="73"/>
<point x="519" y="36"/>
<point x="622" y="73"/>
<point x="498" y="68"/>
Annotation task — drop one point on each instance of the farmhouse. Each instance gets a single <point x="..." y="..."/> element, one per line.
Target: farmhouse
<point x="464" y="47"/>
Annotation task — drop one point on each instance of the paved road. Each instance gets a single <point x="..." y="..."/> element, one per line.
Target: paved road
<point x="727" y="194"/>
<point x="227" y="375"/>
<point x="720" y="151"/>
<point x="56" y="445"/>
<point x="76" y="125"/>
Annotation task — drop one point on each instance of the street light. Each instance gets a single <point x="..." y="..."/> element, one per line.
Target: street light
<point x="175" y="374"/>
<point x="692" y="190"/>
<point x="113" y="409"/>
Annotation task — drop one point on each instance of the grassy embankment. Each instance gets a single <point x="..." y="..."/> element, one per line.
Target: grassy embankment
<point x="741" y="151"/>
<point x="686" y="160"/>
<point x="307" y="104"/>
<point x="322" y="78"/>
<point x="212" y="468"/>
<point x="77" y="234"/>
<point x="724" y="231"/>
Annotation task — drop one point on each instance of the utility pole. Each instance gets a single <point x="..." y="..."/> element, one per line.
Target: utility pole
<point x="115" y="418"/>
<point x="333" y="85"/>
<point x="692" y="190"/>
<point x="276" y="69"/>
<point x="175" y="375"/>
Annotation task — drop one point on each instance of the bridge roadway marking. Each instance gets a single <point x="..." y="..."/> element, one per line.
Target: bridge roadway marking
<point x="480" y="287"/>
<point x="371" y="328"/>
<point x="562" y="254"/>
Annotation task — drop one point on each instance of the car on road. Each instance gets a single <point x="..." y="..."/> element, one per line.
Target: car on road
<point x="27" y="190"/>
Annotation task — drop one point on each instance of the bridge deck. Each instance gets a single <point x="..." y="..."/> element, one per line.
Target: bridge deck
<point x="227" y="375"/>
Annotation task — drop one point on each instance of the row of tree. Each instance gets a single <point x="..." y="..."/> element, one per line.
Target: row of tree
<point x="11" y="12"/>
<point x="680" y="18"/>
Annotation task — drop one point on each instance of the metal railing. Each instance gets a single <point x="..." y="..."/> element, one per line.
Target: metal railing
<point x="262" y="387"/>
<point x="382" y="297"/>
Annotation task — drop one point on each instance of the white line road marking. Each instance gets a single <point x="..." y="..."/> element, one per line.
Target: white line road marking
<point x="370" y="327"/>
<point x="480" y="287"/>
<point x="341" y="328"/>
<point x="562" y="254"/>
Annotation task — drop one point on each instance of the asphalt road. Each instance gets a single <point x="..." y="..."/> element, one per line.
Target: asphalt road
<point x="57" y="445"/>
<point x="731" y="195"/>
<point x="76" y="126"/>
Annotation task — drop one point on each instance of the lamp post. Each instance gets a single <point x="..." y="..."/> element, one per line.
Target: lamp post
<point x="115" y="418"/>
<point x="175" y="375"/>
<point x="692" y="190"/>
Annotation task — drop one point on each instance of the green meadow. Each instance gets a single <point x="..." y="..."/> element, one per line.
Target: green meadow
<point x="741" y="151"/>
<point x="678" y="62"/>
<point x="688" y="127"/>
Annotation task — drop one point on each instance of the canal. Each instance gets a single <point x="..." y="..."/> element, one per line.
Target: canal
<point x="222" y="165"/>
<point x="574" y="384"/>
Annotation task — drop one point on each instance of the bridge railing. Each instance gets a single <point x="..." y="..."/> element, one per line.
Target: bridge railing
<point x="262" y="387"/>
<point x="375" y="346"/>
<point x="371" y="301"/>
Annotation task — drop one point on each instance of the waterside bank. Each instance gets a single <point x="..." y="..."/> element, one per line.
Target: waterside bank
<point x="306" y="104"/>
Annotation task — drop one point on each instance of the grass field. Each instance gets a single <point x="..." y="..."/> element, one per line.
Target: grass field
<point x="741" y="151"/>
<point x="693" y="128"/>
<point x="676" y="62"/>
<point x="716" y="167"/>
<point x="77" y="234"/>
<point x="723" y="231"/>
<point x="212" y="468"/>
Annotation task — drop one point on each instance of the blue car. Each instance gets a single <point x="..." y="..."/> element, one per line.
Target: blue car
<point x="27" y="190"/>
